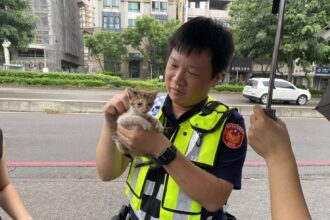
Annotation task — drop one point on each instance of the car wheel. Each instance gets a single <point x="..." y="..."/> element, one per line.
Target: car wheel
<point x="302" y="99"/>
<point x="264" y="98"/>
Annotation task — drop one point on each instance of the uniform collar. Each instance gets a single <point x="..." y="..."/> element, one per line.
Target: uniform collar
<point x="168" y="111"/>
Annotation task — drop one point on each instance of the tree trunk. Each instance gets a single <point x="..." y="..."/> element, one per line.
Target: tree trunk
<point x="290" y="63"/>
<point x="99" y="60"/>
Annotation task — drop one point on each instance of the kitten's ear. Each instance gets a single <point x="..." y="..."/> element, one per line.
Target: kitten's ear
<point x="131" y="92"/>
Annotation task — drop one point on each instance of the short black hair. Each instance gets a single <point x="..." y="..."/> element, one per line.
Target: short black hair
<point x="205" y="34"/>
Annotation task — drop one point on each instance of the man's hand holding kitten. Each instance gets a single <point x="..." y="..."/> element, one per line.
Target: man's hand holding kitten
<point x="138" y="120"/>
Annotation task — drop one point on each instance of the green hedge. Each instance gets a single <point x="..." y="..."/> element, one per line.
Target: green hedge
<point x="73" y="79"/>
<point x="229" y="88"/>
<point x="95" y="80"/>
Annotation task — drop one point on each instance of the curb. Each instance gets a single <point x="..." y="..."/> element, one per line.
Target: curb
<point x="85" y="106"/>
<point x="51" y="105"/>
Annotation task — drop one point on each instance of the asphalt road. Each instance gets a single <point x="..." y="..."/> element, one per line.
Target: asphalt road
<point x="66" y="185"/>
<point x="73" y="137"/>
<point x="105" y="94"/>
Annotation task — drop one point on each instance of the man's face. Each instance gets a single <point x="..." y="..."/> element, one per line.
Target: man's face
<point x="189" y="78"/>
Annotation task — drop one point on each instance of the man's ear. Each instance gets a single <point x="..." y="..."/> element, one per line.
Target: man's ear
<point x="217" y="78"/>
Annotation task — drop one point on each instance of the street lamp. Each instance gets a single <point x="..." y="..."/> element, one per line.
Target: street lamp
<point x="45" y="69"/>
<point x="6" y="44"/>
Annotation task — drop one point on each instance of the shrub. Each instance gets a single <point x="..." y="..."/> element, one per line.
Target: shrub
<point x="75" y="79"/>
<point x="120" y="75"/>
<point x="229" y="88"/>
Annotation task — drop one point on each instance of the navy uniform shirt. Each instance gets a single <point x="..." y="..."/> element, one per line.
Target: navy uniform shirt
<point x="229" y="162"/>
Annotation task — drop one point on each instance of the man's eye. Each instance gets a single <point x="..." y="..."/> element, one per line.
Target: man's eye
<point x="140" y="104"/>
<point x="193" y="73"/>
<point x="174" y="65"/>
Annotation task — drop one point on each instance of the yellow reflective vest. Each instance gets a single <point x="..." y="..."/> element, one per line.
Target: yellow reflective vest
<point x="197" y="138"/>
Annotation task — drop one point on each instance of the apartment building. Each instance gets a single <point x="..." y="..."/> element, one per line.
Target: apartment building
<point x="116" y="15"/>
<point x="58" y="42"/>
<point x="216" y="9"/>
<point x="87" y="11"/>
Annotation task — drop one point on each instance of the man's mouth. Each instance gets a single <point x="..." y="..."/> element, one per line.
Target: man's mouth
<point x="177" y="90"/>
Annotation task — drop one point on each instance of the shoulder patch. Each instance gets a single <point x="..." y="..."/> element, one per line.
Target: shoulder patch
<point x="233" y="135"/>
<point x="157" y="105"/>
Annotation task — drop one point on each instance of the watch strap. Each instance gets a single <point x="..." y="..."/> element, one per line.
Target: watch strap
<point x="167" y="156"/>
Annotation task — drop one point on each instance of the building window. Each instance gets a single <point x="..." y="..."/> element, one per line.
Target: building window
<point x="117" y="23"/>
<point x="115" y="3"/>
<point x="105" y="22"/>
<point x="31" y="53"/>
<point x="163" y="6"/>
<point x="111" y="3"/>
<point x="111" y="22"/>
<point x="106" y="3"/>
<point x="197" y="4"/>
<point x="134" y="6"/>
<point x="219" y="5"/>
<point x="42" y="37"/>
<point x="155" y="6"/>
<point x="43" y="20"/>
<point x="131" y="22"/>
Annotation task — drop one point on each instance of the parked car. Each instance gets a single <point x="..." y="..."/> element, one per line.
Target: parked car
<point x="256" y="89"/>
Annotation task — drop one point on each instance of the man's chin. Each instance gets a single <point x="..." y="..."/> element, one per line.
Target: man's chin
<point x="177" y="97"/>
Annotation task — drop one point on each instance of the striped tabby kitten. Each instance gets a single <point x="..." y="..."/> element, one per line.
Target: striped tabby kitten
<point x="140" y="102"/>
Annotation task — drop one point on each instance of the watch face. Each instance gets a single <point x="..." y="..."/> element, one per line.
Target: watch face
<point x="166" y="157"/>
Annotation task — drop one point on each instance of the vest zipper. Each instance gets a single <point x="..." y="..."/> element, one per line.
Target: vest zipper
<point x="154" y="194"/>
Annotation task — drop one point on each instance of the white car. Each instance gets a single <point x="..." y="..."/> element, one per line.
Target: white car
<point x="256" y="89"/>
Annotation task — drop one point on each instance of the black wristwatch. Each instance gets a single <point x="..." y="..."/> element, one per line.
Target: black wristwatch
<point x="167" y="156"/>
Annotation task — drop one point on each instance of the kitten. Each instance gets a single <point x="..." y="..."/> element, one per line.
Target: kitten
<point x="140" y="102"/>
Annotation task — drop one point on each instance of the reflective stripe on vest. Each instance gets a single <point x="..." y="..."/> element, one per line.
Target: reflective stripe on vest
<point x="135" y="181"/>
<point x="198" y="147"/>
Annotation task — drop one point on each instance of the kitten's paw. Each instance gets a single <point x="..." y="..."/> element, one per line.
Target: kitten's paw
<point x="146" y="126"/>
<point x="123" y="121"/>
<point x="159" y="127"/>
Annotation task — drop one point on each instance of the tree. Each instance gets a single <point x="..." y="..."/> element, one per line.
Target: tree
<point x="108" y="48"/>
<point x="254" y="29"/>
<point x="16" y="24"/>
<point x="151" y="38"/>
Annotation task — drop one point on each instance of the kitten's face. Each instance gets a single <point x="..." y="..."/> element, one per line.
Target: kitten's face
<point x="141" y="100"/>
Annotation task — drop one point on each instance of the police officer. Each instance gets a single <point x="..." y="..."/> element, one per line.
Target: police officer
<point x="192" y="168"/>
<point x="10" y="200"/>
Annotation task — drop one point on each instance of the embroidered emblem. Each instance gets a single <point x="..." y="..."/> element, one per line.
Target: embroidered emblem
<point x="233" y="135"/>
<point x="157" y="104"/>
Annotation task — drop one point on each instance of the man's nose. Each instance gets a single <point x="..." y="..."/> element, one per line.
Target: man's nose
<point x="179" y="77"/>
